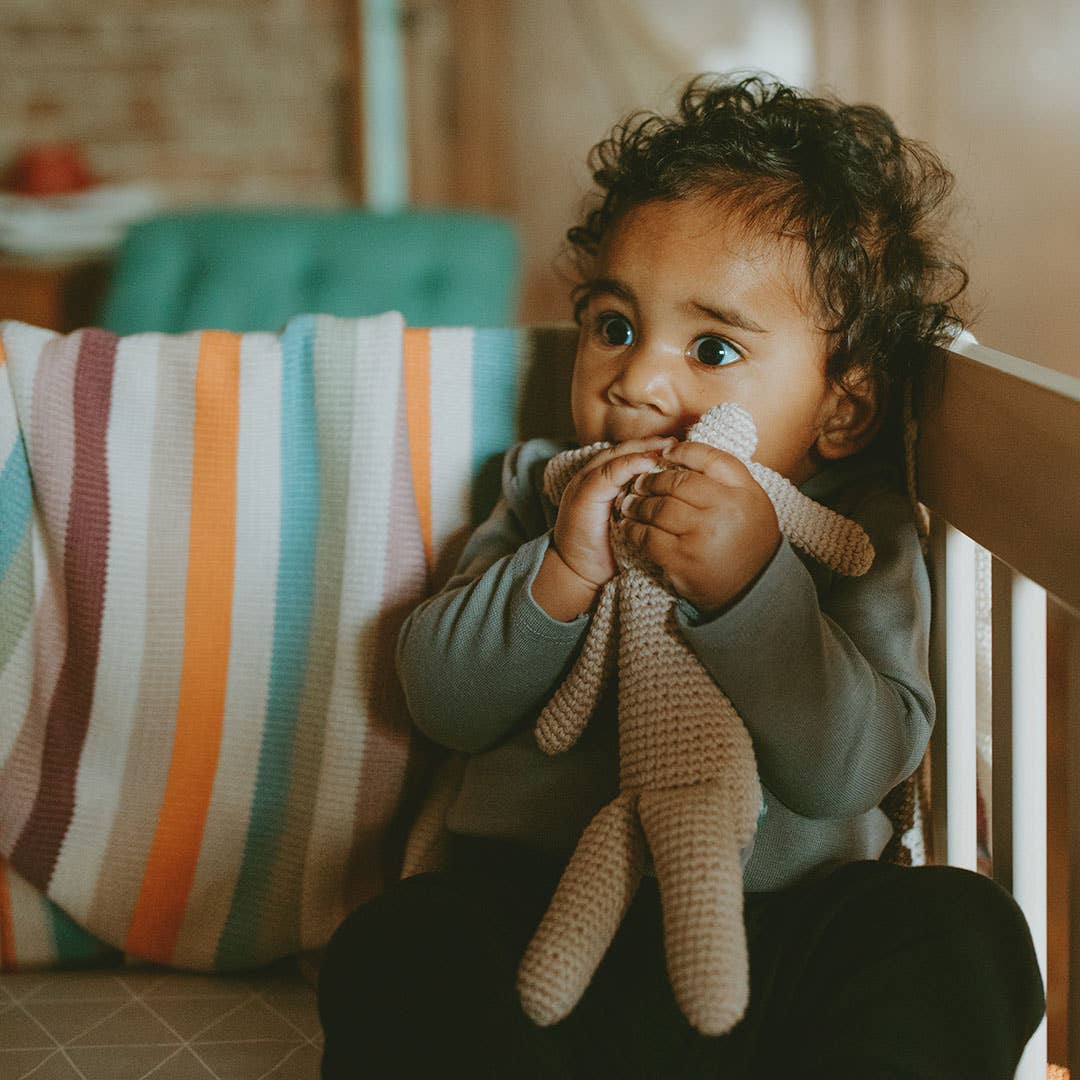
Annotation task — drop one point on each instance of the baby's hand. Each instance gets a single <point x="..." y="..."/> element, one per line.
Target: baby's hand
<point x="709" y="526"/>
<point x="581" y="537"/>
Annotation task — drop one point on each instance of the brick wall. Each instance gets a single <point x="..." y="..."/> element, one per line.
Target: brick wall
<point x="238" y="101"/>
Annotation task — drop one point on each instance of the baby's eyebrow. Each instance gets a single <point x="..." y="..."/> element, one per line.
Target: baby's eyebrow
<point x="727" y="316"/>
<point x="611" y="287"/>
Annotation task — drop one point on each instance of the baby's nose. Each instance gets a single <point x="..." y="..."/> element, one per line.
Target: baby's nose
<point x="643" y="381"/>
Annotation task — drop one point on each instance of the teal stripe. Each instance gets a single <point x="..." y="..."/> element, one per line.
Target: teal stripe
<point x="336" y="366"/>
<point x="16" y="502"/>
<point x="76" y="947"/>
<point x="495" y="393"/>
<point x="292" y="626"/>
<point x="16" y="559"/>
<point x="16" y="599"/>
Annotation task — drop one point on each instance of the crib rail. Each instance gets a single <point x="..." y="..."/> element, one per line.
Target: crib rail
<point x="999" y="469"/>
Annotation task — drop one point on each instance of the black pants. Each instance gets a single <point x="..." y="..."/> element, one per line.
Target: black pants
<point x="872" y="972"/>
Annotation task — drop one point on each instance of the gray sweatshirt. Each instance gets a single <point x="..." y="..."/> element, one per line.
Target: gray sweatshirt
<point x="828" y="673"/>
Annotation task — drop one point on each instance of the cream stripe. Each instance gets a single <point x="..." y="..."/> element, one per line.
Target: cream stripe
<point x="258" y="507"/>
<point x="32" y="923"/>
<point x="376" y="385"/>
<point x="9" y="421"/>
<point x="150" y="748"/>
<point x="15" y="685"/>
<point x="17" y="679"/>
<point x="24" y="345"/>
<point x="129" y="447"/>
<point x="451" y="439"/>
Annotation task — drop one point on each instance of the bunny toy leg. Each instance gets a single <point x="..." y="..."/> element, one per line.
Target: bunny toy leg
<point x="589" y="904"/>
<point x="564" y="717"/>
<point x="695" y="839"/>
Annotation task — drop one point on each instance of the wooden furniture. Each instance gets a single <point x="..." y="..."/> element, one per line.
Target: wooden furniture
<point x="58" y="293"/>
<point x="998" y="457"/>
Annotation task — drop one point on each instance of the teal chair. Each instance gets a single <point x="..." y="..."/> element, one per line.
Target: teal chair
<point x="254" y="269"/>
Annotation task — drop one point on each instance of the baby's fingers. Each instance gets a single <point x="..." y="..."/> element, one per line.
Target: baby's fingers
<point x="666" y="514"/>
<point x="717" y="465"/>
<point x="612" y="469"/>
<point x="693" y="488"/>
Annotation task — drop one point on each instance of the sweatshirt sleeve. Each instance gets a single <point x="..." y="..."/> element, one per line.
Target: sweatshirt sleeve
<point x="834" y="692"/>
<point x="481" y="657"/>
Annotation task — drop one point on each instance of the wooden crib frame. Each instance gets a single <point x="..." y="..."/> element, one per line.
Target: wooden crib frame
<point x="999" y="469"/>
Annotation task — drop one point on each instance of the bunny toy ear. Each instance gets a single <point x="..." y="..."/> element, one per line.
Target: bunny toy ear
<point x="727" y="427"/>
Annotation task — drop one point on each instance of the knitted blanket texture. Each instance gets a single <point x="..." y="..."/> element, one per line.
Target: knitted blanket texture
<point x="689" y="790"/>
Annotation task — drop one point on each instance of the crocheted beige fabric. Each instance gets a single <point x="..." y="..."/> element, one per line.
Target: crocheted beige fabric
<point x="688" y="779"/>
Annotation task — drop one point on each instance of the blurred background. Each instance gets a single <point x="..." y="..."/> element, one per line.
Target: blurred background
<point x="172" y="164"/>
<point x="111" y="110"/>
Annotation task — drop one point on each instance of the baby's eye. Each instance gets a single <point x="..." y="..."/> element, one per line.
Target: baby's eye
<point x="714" y="351"/>
<point x="615" y="330"/>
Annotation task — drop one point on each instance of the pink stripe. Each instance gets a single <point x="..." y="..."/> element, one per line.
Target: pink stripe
<point x="385" y="770"/>
<point x="85" y="558"/>
<point x="51" y="450"/>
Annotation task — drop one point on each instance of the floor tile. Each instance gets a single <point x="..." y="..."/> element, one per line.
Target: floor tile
<point x="57" y="1067"/>
<point x="21" y="1032"/>
<point x="245" y="1061"/>
<point x="15" y="1064"/>
<point x="131" y="1024"/>
<point x="22" y="984"/>
<point x="302" y="1064"/>
<point x="67" y="1020"/>
<point x="190" y="1017"/>
<point x="82" y="986"/>
<point x="253" y="1020"/>
<point x="117" y="1062"/>
<point x="179" y="984"/>
<point x="183" y="1065"/>
<point x="156" y="1024"/>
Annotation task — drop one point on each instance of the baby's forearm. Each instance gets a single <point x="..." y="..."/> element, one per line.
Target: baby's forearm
<point x="560" y="591"/>
<point x="481" y="658"/>
<point x="838" y="700"/>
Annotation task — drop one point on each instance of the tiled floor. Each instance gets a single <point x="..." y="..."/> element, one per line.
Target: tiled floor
<point x="129" y="1024"/>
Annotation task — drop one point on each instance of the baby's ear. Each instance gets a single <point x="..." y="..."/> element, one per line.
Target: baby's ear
<point x="854" y="419"/>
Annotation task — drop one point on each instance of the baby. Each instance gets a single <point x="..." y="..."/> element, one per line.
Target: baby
<point x="773" y="250"/>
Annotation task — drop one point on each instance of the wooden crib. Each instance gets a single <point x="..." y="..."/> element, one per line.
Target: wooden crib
<point x="999" y="470"/>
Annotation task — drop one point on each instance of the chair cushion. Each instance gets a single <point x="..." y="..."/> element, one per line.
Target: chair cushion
<point x="254" y="269"/>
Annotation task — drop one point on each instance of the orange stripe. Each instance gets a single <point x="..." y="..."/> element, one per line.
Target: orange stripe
<point x="170" y="868"/>
<point x="7" y="924"/>
<point x="417" y="359"/>
<point x="3" y="353"/>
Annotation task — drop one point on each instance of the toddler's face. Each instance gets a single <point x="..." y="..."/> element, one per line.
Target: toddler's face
<point x="688" y="310"/>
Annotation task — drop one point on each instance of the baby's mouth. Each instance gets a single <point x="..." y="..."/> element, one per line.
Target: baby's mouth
<point x="620" y="432"/>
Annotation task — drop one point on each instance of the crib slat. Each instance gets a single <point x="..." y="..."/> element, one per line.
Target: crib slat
<point x="939" y="780"/>
<point x="1028" y="795"/>
<point x="1001" y="830"/>
<point x="953" y="751"/>
<point x="1071" y="634"/>
<point x="961" y="835"/>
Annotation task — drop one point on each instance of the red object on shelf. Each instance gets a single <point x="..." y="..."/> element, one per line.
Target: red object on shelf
<point x="51" y="169"/>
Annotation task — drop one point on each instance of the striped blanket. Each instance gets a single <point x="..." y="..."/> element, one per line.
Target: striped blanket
<point x="207" y="544"/>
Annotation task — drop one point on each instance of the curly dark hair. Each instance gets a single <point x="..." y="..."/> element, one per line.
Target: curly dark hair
<point x="838" y="177"/>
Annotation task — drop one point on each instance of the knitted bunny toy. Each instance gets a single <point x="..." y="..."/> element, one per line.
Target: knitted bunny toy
<point x="688" y="779"/>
